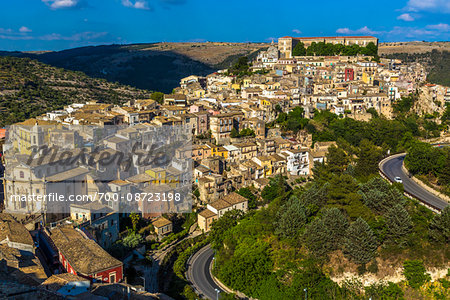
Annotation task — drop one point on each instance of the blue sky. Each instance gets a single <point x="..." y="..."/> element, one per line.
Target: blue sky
<point x="61" y="24"/>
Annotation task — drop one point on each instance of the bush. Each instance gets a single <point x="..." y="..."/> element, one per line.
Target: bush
<point x="415" y="273"/>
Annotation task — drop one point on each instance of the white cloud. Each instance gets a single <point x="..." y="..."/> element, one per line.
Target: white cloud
<point x="442" y="6"/>
<point x="405" y="17"/>
<point x="343" y="30"/>
<point x="439" y="27"/>
<point x="62" y="4"/>
<point x="362" y="30"/>
<point x="25" y="29"/>
<point x="296" y="31"/>
<point x="139" y="4"/>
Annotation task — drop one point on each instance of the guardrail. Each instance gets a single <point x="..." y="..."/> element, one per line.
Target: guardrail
<point x="409" y="195"/>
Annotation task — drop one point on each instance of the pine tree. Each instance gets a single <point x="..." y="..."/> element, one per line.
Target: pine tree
<point x="336" y="224"/>
<point x="398" y="223"/>
<point x="440" y="227"/>
<point x="291" y="218"/>
<point x="360" y="242"/>
<point x="317" y="238"/>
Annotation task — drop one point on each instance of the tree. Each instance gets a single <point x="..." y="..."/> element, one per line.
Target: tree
<point x="368" y="157"/>
<point x="336" y="224"/>
<point x="132" y="240"/>
<point x="316" y="238"/>
<point x="337" y="159"/>
<point x="415" y="273"/>
<point x="360" y="243"/>
<point x="221" y="225"/>
<point x="314" y="198"/>
<point x="290" y="218"/>
<point x="134" y="220"/>
<point x="158" y="97"/>
<point x="234" y="133"/>
<point x="399" y="224"/>
<point x="422" y="158"/>
<point x="378" y="195"/>
<point x="325" y="234"/>
<point x="439" y="230"/>
<point x="371" y="49"/>
<point x="247" y="193"/>
<point x="277" y="187"/>
<point x="299" y="50"/>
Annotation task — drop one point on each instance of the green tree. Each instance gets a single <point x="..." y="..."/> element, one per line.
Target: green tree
<point x="299" y="50"/>
<point x="415" y="273"/>
<point x="247" y="268"/>
<point x="336" y="224"/>
<point x="360" y="243"/>
<point x="290" y="218"/>
<point x="234" y="133"/>
<point x="399" y="224"/>
<point x="439" y="230"/>
<point x="277" y="187"/>
<point x="422" y="158"/>
<point x="337" y="160"/>
<point x="316" y="238"/>
<point x="380" y="196"/>
<point x="221" y="225"/>
<point x="158" y="97"/>
<point x="135" y="218"/>
<point x="247" y="193"/>
<point x="368" y="157"/>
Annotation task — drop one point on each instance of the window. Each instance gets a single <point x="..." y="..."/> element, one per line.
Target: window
<point x="37" y="191"/>
<point x="21" y="174"/>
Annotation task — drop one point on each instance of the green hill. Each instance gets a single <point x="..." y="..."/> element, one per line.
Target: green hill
<point x="29" y="88"/>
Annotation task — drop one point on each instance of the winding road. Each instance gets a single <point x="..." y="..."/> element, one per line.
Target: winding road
<point x="392" y="167"/>
<point x="199" y="273"/>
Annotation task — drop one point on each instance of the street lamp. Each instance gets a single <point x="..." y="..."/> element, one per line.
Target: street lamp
<point x="217" y="293"/>
<point x="306" y="293"/>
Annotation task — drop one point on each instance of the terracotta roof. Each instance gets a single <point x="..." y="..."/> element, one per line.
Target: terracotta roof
<point x="234" y="198"/>
<point x="160" y="222"/>
<point x="83" y="254"/>
<point x="220" y="204"/>
<point x="13" y="230"/>
<point x="207" y="213"/>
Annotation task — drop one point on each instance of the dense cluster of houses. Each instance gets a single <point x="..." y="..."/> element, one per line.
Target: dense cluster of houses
<point x="219" y="124"/>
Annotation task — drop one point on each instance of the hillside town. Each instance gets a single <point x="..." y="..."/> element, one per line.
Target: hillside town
<point x="218" y="133"/>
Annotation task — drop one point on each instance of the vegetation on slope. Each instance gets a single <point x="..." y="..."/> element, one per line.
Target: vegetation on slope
<point x="436" y="62"/>
<point x="347" y="219"/>
<point x="29" y="88"/>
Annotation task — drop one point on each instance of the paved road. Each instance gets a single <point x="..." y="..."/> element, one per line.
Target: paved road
<point x="393" y="167"/>
<point x="199" y="273"/>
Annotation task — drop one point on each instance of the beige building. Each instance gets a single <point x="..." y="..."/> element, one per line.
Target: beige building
<point x="287" y="43"/>
<point x="218" y="208"/>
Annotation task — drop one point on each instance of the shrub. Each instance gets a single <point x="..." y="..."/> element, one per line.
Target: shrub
<point x="415" y="273"/>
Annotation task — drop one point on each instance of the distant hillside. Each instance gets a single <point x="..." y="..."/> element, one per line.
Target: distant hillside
<point x="158" y="66"/>
<point x="436" y="62"/>
<point x="29" y="88"/>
